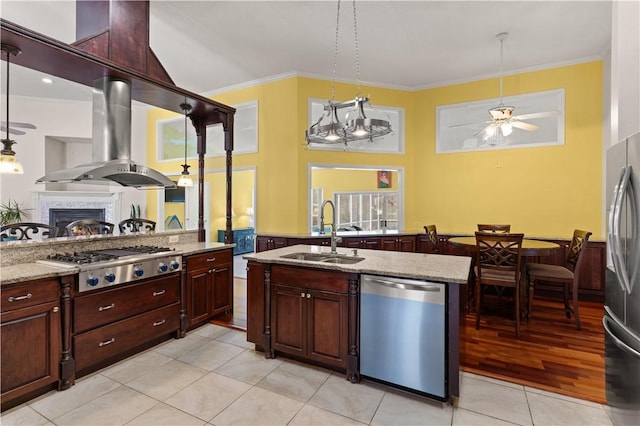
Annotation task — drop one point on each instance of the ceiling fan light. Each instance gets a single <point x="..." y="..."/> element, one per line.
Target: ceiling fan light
<point x="506" y="129"/>
<point x="10" y="165"/>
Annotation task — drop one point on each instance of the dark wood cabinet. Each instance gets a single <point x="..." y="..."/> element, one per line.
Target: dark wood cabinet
<point x="209" y="286"/>
<point x="404" y="243"/>
<point x="371" y="243"/>
<point x="310" y="314"/>
<point x="111" y="324"/>
<point x="269" y="243"/>
<point x="30" y="331"/>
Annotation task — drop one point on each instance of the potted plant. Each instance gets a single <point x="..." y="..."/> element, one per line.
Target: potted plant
<point x="12" y="212"/>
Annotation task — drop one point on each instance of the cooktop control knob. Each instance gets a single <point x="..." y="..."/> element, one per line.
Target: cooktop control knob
<point x="92" y="281"/>
<point x="138" y="271"/>
<point x="109" y="277"/>
<point x="175" y="264"/>
<point x="162" y="267"/>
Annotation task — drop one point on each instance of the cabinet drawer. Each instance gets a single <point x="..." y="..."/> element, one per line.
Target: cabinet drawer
<point x="207" y="260"/>
<point x="107" y="306"/>
<point x="30" y="294"/>
<point x="311" y="278"/>
<point x="106" y="342"/>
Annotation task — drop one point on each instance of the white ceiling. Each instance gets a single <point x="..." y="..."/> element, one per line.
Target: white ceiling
<point x="209" y="45"/>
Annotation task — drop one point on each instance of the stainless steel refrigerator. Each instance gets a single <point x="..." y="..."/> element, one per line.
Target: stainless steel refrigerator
<point x="621" y="319"/>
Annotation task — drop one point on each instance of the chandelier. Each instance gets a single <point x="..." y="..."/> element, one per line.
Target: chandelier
<point x="334" y="126"/>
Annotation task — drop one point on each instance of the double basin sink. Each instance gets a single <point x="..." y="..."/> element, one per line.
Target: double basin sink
<point x="324" y="257"/>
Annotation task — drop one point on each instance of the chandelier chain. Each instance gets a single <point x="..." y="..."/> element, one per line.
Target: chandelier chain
<point x="335" y="56"/>
<point x="355" y="34"/>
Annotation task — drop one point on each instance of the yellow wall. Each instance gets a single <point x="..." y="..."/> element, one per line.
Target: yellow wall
<point x="542" y="191"/>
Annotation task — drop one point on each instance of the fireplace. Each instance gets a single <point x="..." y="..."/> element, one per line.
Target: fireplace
<point x="59" y="208"/>
<point x="62" y="217"/>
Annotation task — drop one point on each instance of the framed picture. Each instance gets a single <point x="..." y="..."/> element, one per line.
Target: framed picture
<point x="245" y="135"/>
<point x="393" y="143"/>
<point x="384" y="179"/>
<point x="462" y="127"/>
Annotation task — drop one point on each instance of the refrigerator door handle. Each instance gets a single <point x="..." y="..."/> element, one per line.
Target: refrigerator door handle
<point x="614" y="230"/>
<point x="622" y="345"/>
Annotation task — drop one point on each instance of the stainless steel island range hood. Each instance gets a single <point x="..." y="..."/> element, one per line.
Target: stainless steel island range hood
<point x="111" y="157"/>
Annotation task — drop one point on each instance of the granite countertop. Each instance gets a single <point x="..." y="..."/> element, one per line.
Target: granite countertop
<point x="11" y="274"/>
<point x="433" y="267"/>
<point x="377" y="233"/>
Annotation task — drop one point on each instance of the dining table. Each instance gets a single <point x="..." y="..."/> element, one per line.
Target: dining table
<point x="530" y="248"/>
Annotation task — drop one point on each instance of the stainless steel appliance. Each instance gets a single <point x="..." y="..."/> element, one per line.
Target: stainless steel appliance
<point x="403" y="333"/>
<point x="103" y="268"/>
<point x="621" y="319"/>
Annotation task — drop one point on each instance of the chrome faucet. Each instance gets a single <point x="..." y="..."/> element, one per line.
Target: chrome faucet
<point x="334" y="238"/>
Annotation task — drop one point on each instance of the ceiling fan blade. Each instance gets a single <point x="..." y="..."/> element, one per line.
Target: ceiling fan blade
<point x="486" y="129"/>
<point x="475" y="123"/>
<point x="20" y="125"/>
<point x="524" y="126"/>
<point x="12" y="131"/>
<point x="537" y="115"/>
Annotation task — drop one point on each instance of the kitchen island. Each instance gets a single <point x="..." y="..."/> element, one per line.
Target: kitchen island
<point x="304" y="302"/>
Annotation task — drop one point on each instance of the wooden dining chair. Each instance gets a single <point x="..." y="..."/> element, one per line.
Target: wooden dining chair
<point x="493" y="228"/>
<point x="89" y="227"/>
<point x="27" y="230"/>
<point x="135" y="224"/>
<point x="498" y="261"/>
<point x="567" y="275"/>
<point x="433" y="241"/>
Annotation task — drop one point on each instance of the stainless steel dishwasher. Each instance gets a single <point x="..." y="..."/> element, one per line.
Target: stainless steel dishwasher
<point x="402" y="333"/>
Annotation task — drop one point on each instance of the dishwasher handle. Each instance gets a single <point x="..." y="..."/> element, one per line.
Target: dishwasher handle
<point x="406" y="286"/>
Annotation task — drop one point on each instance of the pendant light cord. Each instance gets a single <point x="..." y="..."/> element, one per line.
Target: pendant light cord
<point x="185" y="136"/>
<point x="355" y="34"/>
<point x="335" y="56"/>
<point x="6" y="124"/>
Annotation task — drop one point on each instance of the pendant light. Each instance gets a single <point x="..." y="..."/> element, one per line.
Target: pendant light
<point x="185" y="179"/>
<point x="8" y="161"/>
<point x="328" y="129"/>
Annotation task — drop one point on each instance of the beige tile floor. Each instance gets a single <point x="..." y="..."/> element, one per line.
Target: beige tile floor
<point x="214" y="377"/>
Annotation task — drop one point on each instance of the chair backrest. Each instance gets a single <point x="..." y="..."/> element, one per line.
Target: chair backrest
<point x="89" y="227"/>
<point x="136" y="225"/>
<point x="493" y="228"/>
<point x="26" y="231"/>
<point x="434" y="242"/>
<point x="499" y="253"/>
<point x="576" y="248"/>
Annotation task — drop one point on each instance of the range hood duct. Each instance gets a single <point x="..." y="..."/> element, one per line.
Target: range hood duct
<point x="111" y="157"/>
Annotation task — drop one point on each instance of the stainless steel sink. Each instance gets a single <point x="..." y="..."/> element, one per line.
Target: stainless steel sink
<point x="324" y="257"/>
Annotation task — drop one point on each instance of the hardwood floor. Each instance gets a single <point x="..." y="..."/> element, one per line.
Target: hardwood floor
<point x="550" y="354"/>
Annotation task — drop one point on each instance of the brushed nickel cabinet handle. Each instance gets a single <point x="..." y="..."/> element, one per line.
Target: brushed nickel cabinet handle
<point x="301" y="294"/>
<point x="211" y="259"/>
<point x="19" y="298"/>
<point x="106" y="308"/>
<point x="156" y="324"/>
<point x="159" y="293"/>
<point x="308" y="296"/>
<point x="56" y="309"/>
<point x="107" y="342"/>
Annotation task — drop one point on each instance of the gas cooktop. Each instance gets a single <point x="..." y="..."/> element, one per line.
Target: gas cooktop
<point x="103" y="268"/>
<point x="96" y="256"/>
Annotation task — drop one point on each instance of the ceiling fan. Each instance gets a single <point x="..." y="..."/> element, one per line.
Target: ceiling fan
<point x="11" y="126"/>
<point x="502" y="117"/>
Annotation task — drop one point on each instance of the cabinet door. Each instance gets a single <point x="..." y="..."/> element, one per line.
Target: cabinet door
<point x="327" y="327"/>
<point x="198" y="296"/>
<point x="262" y="244"/>
<point x="31" y="346"/>
<point x="371" y="243"/>
<point x="287" y="319"/>
<point x="221" y="289"/>
<point x="406" y="244"/>
<point x="278" y="243"/>
<point x="389" y="243"/>
<point x="351" y="243"/>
